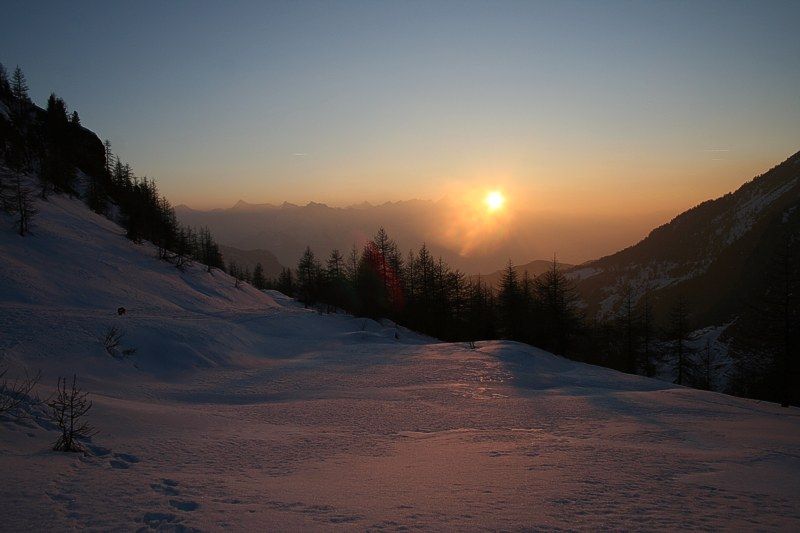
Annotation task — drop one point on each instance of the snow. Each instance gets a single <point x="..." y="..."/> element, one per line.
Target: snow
<point x="788" y="213"/>
<point x="748" y="210"/>
<point x="243" y="410"/>
<point x="582" y="273"/>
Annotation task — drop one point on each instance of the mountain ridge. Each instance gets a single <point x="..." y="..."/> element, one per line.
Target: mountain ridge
<point x="691" y="254"/>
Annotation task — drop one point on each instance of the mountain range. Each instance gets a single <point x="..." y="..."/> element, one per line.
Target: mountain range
<point x="443" y="225"/>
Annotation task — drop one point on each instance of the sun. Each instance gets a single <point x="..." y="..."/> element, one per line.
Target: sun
<point x="494" y="201"/>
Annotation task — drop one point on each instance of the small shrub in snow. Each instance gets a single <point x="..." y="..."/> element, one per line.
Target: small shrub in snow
<point x="14" y="392"/>
<point x="68" y="410"/>
<point x="112" y="340"/>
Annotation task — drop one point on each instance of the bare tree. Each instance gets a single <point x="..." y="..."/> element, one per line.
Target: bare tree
<point x="23" y="206"/>
<point x="68" y="409"/>
<point x="710" y="366"/>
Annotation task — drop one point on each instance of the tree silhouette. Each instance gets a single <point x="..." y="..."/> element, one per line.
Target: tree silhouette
<point x="23" y="206"/>
<point x="678" y="337"/>
<point x="68" y="410"/>
<point x="19" y="86"/>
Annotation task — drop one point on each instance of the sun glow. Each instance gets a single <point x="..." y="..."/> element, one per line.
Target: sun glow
<point x="476" y="218"/>
<point x="494" y="201"/>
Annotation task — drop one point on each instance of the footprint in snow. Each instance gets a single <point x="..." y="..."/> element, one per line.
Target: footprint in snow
<point x="99" y="451"/>
<point x="155" y="520"/>
<point x="185" y="505"/>
<point x="166" y="486"/>
<point x="123" y="460"/>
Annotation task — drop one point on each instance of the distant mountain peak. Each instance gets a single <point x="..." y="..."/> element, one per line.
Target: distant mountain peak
<point x="241" y="205"/>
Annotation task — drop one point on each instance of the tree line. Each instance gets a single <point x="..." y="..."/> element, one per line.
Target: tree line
<point x="53" y="148"/>
<point x="425" y="294"/>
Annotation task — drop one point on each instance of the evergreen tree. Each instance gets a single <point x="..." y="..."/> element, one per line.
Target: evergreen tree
<point x="259" y="281"/>
<point x="709" y="368"/>
<point x="308" y="278"/>
<point x="57" y="168"/>
<point x="628" y="326"/>
<point x="208" y="250"/>
<point x="558" y="311"/>
<point x="286" y="282"/>
<point x="335" y="292"/>
<point x="479" y="313"/>
<point x="5" y="84"/>
<point x="648" y="334"/>
<point x="385" y="260"/>
<point x="19" y="86"/>
<point x="678" y="337"/>
<point x="511" y="304"/>
<point x="766" y="347"/>
<point x="109" y="157"/>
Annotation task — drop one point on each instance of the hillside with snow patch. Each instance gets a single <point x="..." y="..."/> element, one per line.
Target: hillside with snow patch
<point x="714" y="255"/>
<point x="242" y="410"/>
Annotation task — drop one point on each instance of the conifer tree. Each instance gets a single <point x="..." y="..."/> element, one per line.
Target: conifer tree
<point x="109" y="157"/>
<point x="648" y="334"/>
<point x="335" y="292"/>
<point x="19" y="86"/>
<point x="557" y="301"/>
<point x="259" y="281"/>
<point x="5" y="84"/>
<point x="511" y="303"/>
<point x="307" y="277"/>
<point x="678" y="337"/>
<point x="628" y="326"/>
<point x="286" y="282"/>
<point x="766" y="346"/>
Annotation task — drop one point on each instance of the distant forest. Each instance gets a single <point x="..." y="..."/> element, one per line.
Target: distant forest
<point x="49" y="151"/>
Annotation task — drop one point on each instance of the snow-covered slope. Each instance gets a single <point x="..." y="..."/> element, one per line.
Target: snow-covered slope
<point x="242" y="410"/>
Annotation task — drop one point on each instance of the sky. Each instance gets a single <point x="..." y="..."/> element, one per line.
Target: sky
<point x="568" y="107"/>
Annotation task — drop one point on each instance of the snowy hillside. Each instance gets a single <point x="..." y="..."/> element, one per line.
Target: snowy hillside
<point x="703" y="252"/>
<point x="242" y="410"/>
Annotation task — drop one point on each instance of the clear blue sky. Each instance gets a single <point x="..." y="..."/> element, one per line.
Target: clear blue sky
<point x="586" y="103"/>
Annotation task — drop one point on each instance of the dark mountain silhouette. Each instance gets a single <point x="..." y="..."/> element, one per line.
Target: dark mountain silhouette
<point x="714" y="255"/>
